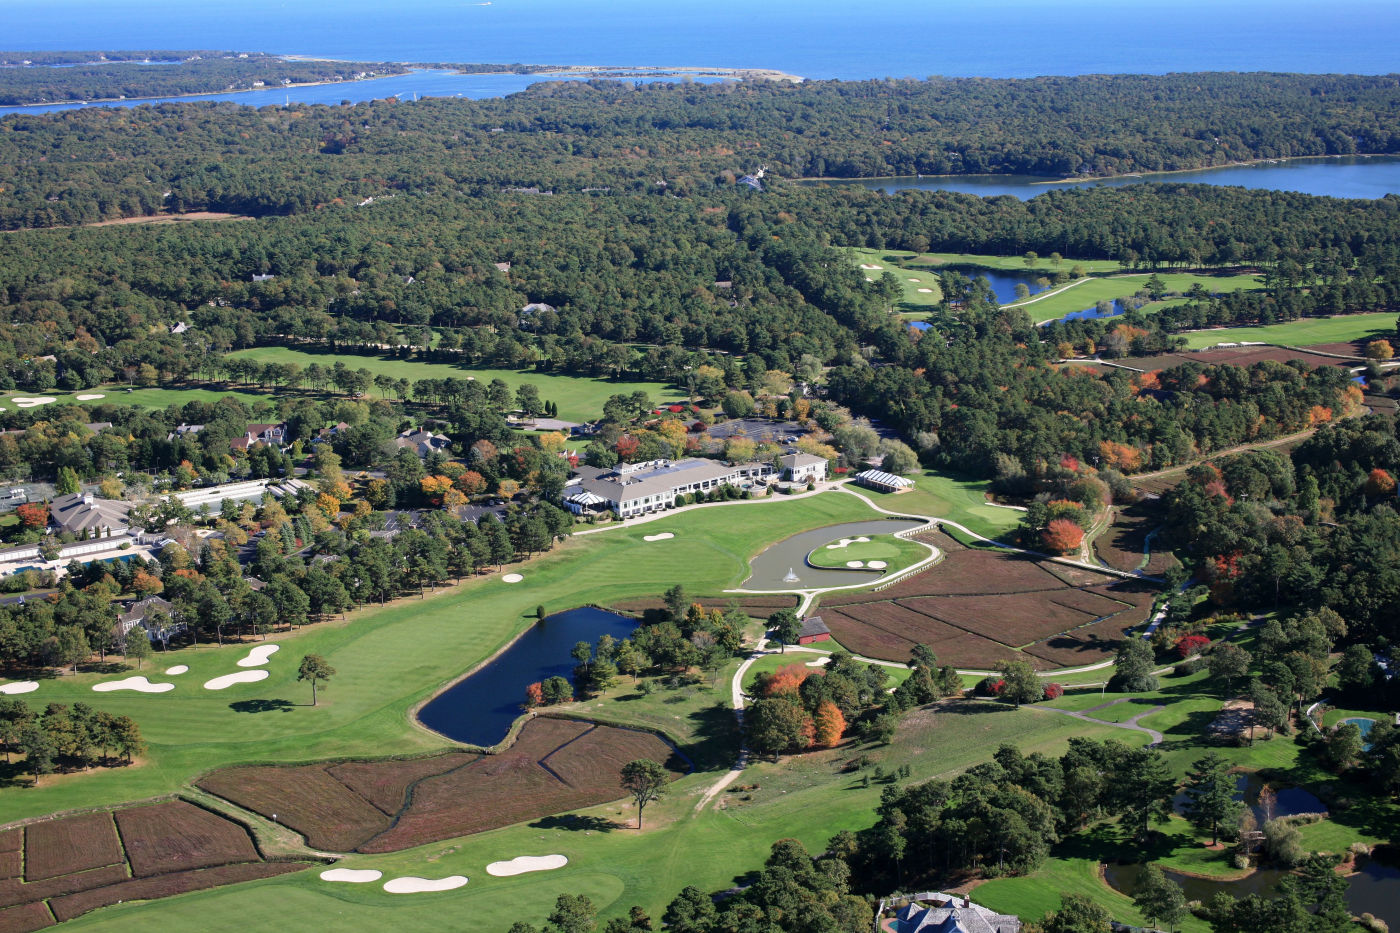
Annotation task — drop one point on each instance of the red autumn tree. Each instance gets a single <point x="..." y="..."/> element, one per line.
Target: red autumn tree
<point x="1054" y="691"/>
<point x="786" y="679"/>
<point x="534" y="695"/>
<point x="1378" y="483"/>
<point x="145" y="584"/>
<point x="33" y="515"/>
<point x="626" y="447"/>
<point x="1188" y="645"/>
<point x="830" y="725"/>
<point x="1062" y="536"/>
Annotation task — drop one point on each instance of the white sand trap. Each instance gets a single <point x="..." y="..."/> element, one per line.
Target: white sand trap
<point x="138" y="683"/>
<point x="913" y="280"/>
<point x="866" y="265"/>
<point x="855" y="563"/>
<point x="819" y="662"/>
<point x="876" y="564"/>
<point x="177" y="669"/>
<point x="412" y="885"/>
<point x="32" y="402"/>
<point x="241" y="677"/>
<point x="663" y="536"/>
<point x="521" y="864"/>
<point x="512" y="578"/>
<point x="90" y="396"/>
<point x="869" y="279"/>
<point x="352" y="875"/>
<point x="926" y="291"/>
<point x="847" y="542"/>
<point x="259" y="655"/>
<point x="20" y="686"/>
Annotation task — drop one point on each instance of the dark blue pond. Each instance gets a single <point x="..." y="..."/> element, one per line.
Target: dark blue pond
<point x="480" y="709"/>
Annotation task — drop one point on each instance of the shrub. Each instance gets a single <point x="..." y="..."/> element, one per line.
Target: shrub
<point x="1189" y="666"/>
<point x="1188" y="645"/>
<point x="990" y="686"/>
<point x="1053" y="691"/>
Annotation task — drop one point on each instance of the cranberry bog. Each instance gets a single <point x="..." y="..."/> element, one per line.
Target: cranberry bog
<point x="981" y="607"/>
<point x="1126" y="544"/>
<point x="554" y="765"/>
<point x="60" y="868"/>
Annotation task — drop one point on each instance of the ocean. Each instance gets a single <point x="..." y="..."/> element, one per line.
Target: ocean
<point x="813" y="38"/>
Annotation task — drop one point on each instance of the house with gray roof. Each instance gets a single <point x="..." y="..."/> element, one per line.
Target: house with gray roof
<point x="640" y="488"/>
<point x="951" y="914"/>
<point x="422" y="442"/>
<point x="86" y="516"/>
<point x="803" y="468"/>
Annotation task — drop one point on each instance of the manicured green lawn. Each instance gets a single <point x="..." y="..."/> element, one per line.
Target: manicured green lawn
<point x="1035" y="895"/>
<point x="146" y="398"/>
<point x="1041" y="266"/>
<point x="895" y="552"/>
<point x="1088" y="292"/>
<point x="922" y="289"/>
<point x="1301" y="333"/>
<point x="942" y="495"/>
<point x="579" y="398"/>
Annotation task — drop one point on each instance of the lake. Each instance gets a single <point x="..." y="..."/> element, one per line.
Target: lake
<point x="480" y="709"/>
<point x="1346" y="177"/>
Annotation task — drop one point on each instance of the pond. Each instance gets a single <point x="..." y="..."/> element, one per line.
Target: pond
<point x="1373" y="888"/>
<point x="1360" y="722"/>
<point x="774" y="568"/>
<point x="1287" y="801"/>
<point x="1003" y="283"/>
<point x="1346" y="177"/>
<point x="479" y="710"/>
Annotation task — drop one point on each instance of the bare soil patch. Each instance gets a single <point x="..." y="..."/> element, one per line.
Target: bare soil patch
<point x="72" y="844"/>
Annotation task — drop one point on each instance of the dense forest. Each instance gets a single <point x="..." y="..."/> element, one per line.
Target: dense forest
<point x="194" y="73"/>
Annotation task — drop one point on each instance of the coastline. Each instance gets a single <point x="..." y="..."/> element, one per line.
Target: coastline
<point x="600" y="71"/>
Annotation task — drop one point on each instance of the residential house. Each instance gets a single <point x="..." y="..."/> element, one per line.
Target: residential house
<point x="423" y="442"/>
<point x="274" y="435"/>
<point x="137" y="614"/>
<point x="952" y="914"/>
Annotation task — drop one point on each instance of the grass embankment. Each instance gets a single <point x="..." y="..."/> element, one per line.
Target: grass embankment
<point x="1087" y="292"/>
<point x="1301" y="333"/>
<point x="579" y="398"/>
<point x="943" y="495"/>
<point x="897" y="553"/>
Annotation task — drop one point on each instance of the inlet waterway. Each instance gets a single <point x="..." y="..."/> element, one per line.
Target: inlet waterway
<point x="770" y="568"/>
<point x="479" y="709"/>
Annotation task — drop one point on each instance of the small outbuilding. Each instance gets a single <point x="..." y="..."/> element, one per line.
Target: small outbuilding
<point x="813" y="630"/>
<point x="803" y="468"/>
<point x="880" y="481"/>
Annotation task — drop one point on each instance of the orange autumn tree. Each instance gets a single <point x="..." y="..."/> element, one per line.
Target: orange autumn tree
<point x="1122" y="457"/>
<point x="1380" y="483"/>
<point x="786" y="679"/>
<point x="33" y="515"/>
<point x="1062" y="536"/>
<point x="829" y="724"/>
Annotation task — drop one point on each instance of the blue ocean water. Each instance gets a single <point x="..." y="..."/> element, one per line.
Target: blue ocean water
<point x="813" y="38"/>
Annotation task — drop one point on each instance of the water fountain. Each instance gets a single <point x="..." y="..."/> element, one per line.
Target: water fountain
<point x="792" y="577"/>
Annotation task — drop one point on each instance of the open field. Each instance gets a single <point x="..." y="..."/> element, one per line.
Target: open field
<point x="1088" y="292"/>
<point x="579" y="398"/>
<point x="1301" y="333"/>
<point x="78" y="863"/>
<point x="981" y="607"/>
<point x="554" y="765"/>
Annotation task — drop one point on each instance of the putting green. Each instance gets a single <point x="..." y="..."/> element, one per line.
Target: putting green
<point x="895" y="553"/>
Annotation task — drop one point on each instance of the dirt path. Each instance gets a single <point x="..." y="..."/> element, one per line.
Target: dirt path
<point x="1129" y="724"/>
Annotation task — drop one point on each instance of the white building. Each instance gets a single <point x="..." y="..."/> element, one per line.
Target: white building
<point x="639" y="488"/>
<point x="801" y="468"/>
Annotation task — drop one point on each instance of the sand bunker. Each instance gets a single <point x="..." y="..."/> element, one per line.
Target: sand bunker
<point x="521" y="864"/>
<point x="846" y="542"/>
<point x="89" y="396"/>
<point x="913" y="280"/>
<point x="20" y="686"/>
<point x="412" y="885"/>
<point x="512" y="578"/>
<point x="138" y="683"/>
<point x="855" y="563"/>
<point x="352" y="875"/>
<point x="241" y="677"/>
<point x="876" y="564"/>
<point x="926" y="291"/>
<point x="866" y="265"/>
<point x="32" y="402"/>
<point x="819" y="662"/>
<point x="259" y="655"/>
<point x="659" y="537"/>
<point x="177" y="669"/>
<point x="869" y="279"/>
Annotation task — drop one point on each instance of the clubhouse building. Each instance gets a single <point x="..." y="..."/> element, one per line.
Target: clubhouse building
<point x="639" y="488"/>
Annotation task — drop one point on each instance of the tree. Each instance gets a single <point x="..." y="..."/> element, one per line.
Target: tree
<point x="67" y="482"/>
<point x="1141" y="787"/>
<point x="830" y="724"/>
<point x="646" y="781"/>
<point x="1062" y="535"/>
<point x="573" y="913"/>
<point x="138" y="646"/>
<point x="33" y="515"/>
<point x="1133" y="668"/>
<point x="786" y="627"/>
<point x="1019" y="683"/>
<point x="1269" y="710"/>
<point x="1356" y="671"/>
<point x="1228" y="662"/>
<point x="1344" y="745"/>
<point x="1159" y="898"/>
<point x="38" y="751"/>
<point x="692" y="911"/>
<point x="1210" y="795"/>
<point x="1078" y="914"/>
<point x="314" y="668"/>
